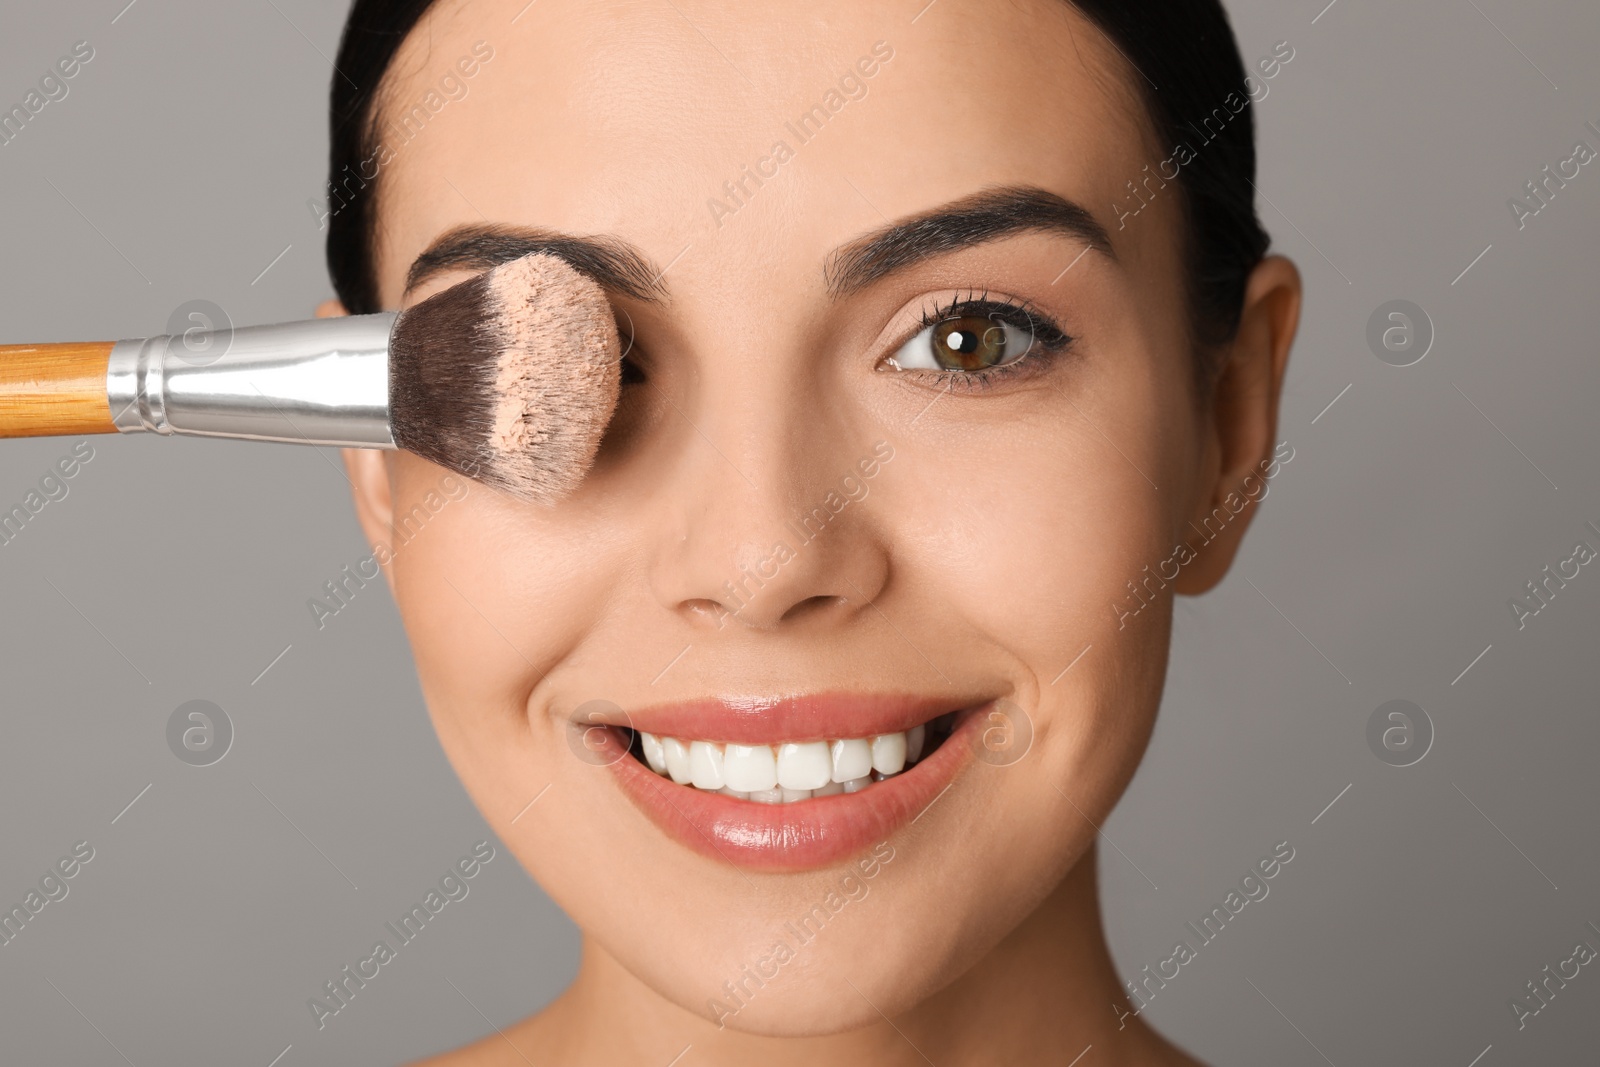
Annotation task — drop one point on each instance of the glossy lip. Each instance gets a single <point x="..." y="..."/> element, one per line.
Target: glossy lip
<point x="808" y="833"/>
<point x="772" y="721"/>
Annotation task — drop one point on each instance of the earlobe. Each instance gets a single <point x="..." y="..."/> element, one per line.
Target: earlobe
<point x="1244" y="421"/>
<point x="370" y="487"/>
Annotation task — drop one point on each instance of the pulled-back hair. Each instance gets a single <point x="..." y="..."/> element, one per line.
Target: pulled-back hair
<point x="1185" y="67"/>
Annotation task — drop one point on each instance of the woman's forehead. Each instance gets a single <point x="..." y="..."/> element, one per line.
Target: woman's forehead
<point x="757" y="127"/>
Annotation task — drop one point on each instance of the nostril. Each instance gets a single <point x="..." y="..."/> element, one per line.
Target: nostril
<point x="812" y="605"/>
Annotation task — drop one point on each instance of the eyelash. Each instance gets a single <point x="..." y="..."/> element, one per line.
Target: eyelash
<point x="1049" y="340"/>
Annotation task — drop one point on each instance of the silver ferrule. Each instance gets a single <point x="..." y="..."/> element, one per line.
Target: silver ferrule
<point x="323" y="381"/>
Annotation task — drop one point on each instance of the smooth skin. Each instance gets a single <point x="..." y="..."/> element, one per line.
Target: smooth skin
<point x="986" y="555"/>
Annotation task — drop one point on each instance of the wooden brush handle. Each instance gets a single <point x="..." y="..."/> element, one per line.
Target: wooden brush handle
<point x="50" y="390"/>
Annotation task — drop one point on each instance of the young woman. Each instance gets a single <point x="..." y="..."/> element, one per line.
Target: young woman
<point x="954" y="355"/>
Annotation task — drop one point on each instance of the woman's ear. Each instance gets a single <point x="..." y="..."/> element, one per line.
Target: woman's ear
<point x="368" y="470"/>
<point x="369" y="486"/>
<point x="1243" y="418"/>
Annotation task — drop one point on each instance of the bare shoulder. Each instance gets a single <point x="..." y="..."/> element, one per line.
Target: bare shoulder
<point x="513" y="1046"/>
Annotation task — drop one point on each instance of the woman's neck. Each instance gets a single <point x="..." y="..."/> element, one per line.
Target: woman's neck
<point x="1046" y="994"/>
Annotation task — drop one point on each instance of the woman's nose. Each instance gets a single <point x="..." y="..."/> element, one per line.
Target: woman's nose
<point x="772" y="523"/>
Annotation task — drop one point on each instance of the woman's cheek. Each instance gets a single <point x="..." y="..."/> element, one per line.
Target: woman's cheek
<point x="1031" y="550"/>
<point x="490" y="592"/>
<point x="463" y="590"/>
<point x="446" y="603"/>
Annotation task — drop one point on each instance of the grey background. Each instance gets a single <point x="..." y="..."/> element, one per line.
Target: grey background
<point x="178" y="168"/>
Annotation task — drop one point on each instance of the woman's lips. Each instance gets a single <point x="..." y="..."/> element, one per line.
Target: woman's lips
<point x="806" y="834"/>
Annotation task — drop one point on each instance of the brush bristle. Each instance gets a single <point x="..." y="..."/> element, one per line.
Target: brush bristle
<point x="510" y="377"/>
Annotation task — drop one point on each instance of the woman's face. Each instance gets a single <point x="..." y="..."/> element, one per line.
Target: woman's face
<point x="834" y="503"/>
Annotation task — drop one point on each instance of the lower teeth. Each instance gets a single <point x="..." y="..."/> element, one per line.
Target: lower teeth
<point x="789" y="796"/>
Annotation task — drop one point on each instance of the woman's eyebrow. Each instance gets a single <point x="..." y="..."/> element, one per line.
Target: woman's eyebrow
<point x="611" y="262"/>
<point x="972" y="220"/>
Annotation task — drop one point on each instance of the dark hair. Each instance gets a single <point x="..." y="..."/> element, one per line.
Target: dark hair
<point x="373" y="33"/>
<point x="1187" y="67"/>
<point x="1183" y="55"/>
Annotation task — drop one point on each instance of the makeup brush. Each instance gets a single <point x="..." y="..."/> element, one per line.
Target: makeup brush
<point x="509" y="378"/>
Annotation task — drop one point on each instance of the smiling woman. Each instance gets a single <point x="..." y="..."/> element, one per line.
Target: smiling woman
<point x="937" y="276"/>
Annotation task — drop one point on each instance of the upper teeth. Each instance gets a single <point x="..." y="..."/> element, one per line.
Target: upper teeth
<point x="795" y="770"/>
